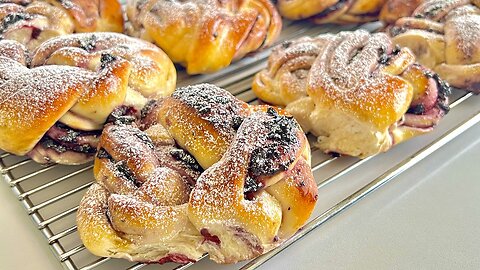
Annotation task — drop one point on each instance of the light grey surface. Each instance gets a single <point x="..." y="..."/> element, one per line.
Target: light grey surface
<point x="21" y="245"/>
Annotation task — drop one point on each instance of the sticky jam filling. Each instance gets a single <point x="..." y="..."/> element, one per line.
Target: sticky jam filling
<point x="275" y="156"/>
<point x="442" y="89"/>
<point x="441" y="106"/>
<point x="63" y="138"/>
<point x="13" y="18"/>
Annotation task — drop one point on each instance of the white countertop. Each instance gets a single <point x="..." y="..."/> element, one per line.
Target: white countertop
<point x="426" y="218"/>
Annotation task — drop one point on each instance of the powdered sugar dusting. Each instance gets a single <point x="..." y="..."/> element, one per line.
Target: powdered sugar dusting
<point x="266" y="146"/>
<point x="108" y="70"/>
<point x="458" y="23"/>
<point x="148" y="62"/>
<point x="464" y="32"/>
<point x="348" y="75"/>
<point x="32" y="22"/>
<point x="215" y="105"/>
<point x="149" y="214"/>
<point x="221" y="201"/>
<point x="33" y="97"/>
<point x="256" y="152"/>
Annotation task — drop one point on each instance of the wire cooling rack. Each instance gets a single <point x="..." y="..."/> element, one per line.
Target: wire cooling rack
<point x="50" y="194"/>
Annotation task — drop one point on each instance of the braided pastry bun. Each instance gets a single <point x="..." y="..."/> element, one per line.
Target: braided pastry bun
<point x="355" y="91"/>
<point x="159" y="197"/>
<point x="31" y="22"/>
<point x="205" y="35"/>
<point x="332" y="11"/>
<point x="54" y="108"/>
<point x="444" y="36"/>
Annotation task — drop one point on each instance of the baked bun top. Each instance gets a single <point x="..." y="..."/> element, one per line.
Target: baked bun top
<point x="205" y="35"/>
<point x="76" y="80"/>
<point x="31" y="22"/>
<point x="32" y="100"/>
<point x="338" y="80"/>
<point x="356" y="91"/>
<point x="202" y="172"/>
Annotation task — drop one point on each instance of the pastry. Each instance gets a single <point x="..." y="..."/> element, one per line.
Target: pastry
<point x="332" y="11"/>
<point x="159" y="197"/>
<point x="355" y="91"/>
<point x="53" y="105"/>
<point x="444" y="36"/>
<point x="31" y="22"/>
<point x="205" y="35"/>
<point x="394" y="9"/>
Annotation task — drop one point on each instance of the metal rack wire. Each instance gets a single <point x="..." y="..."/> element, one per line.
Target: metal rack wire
<point x="42" y="190"/>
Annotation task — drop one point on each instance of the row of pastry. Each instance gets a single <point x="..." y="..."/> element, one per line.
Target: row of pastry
<point x="205" y="36"/>
<point x="199" y="171"/>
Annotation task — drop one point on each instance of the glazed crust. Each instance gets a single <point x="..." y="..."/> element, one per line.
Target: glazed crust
<point x="31" y="22"/>
<point x="331" y="11"/>
<point x="444" y="37"/>
<point x="203" y="120"/>
<point x="71" y="85"/>
<point x="352" y="90"/>
<point x="247" y="227"/>
<point x="206" y="35"/>
<point x="24" y="111"/>
<point x="256" y="191"/>
<point x="152" y="74"/>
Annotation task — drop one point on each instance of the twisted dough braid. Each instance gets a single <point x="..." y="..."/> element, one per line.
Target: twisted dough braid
<point x="355" y="91"/>
<point x="71" y="87"/>
<point x="205" y="35"/>
<point x="159" y="197"/>
<point x="331" y="11"/>
<point x="31" y="22"/>
<point x="445" y="36"/>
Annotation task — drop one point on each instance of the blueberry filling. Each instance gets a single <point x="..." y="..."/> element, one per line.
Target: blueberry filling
<point x="36" y="32"/>
<point x="418" y="109"/>
<point x="62" y="138"/>
<point x="102" y="153"/>
<point x="276" y="154"/>
<point x="123" y="115"/>
<point x="89" y="43"/>
<point x="106" y="59"/>
<point x="12" y="18"/>
<point x="124" y="172"/>
<point x="213" y="105"/>
<point x="49" y="143"/>
<point x="444" y="90"/>
<point x="121" y="167"/>
<point x="185" y="157"/>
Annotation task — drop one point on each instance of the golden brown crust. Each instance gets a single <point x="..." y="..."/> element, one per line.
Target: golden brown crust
<point x="96" y="15"/>
<point x="205" y="35"/>
<point x="351" y="90"/>
<point x="344" y="83"/>
<point x="32" y="22"/>
<point x="444" y="37"/>
<point x="247" y="225"/>
<point x="257" y="189"/>
<point x="203" y="119"/>
<point x="34" y="108"/>
<point x="331" y="11"/>
<point x="91" y="76"/>
<point x="152" y="74"/>
<point x="285" y="80"/>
